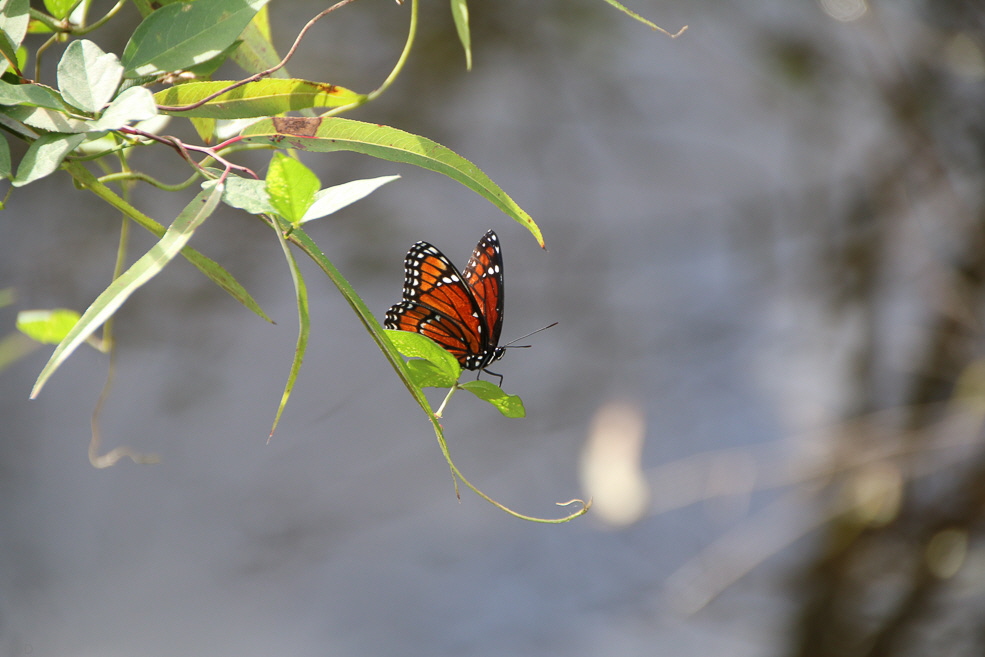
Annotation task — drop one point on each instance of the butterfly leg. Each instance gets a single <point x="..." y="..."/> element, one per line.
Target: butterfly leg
<point x="500" y="384"/>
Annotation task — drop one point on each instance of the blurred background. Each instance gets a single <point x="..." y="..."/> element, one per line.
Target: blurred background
<point x="765" y="252"/>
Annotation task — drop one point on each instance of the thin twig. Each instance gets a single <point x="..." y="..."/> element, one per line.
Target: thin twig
<point x="261" y="74"/>
<point x="183" y="148"/>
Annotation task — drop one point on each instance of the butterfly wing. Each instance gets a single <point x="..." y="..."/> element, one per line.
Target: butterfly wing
<point x="437" y="303"/>
<point x="484" y="277"/>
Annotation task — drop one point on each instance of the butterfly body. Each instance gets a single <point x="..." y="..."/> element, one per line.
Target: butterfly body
<point x="461" y="311"/>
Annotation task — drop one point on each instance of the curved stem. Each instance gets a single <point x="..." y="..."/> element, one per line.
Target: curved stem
<point x="585" y="506"/>
<point x="109" y="14"/>
<point x="37" y="56"/>
<point x="650" y="24"/>
<point x="441" y="409"/>
<point x="45" y="19"/>
<point x="397" y="68"/>
<point x="143" y="177"/>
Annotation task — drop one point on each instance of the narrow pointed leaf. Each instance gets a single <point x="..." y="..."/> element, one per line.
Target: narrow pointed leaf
<point x="333" y="199"/>
<point x="262" y="98"/>
<point x="384" y="142"/>
<point x="143" y="270"/>
<point x="304" y="328"/>
<point x="460" y="13"/>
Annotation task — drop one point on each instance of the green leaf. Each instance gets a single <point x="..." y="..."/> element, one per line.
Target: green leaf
<point x="304" y="326"/>
<point x="16" y="127"/>
<point x="247" y="194"/>
<point x="262" y="98"/>
<point x="181" y="35"/>
<point x="10" y="54"/>
<point x="334" y="134"/>
<point x="425" y="374"/>
<point x="257" y="52"/>
<point x="291" y="187"/>
<point x="60" y="9"/>
<point x="415" y="345"/>
<point x="143" y="270"/>
<point x="205" y="128"/>
<point x="508" y="405"/>
<point x="205" y="70"/>
<point x="47" y="326"/>
<point x="5" y="169"/>
<point x="134" y="104"/>
<point x="48" y="120"/>
<point x="333" y="199"/>
<point x="460" y="12"/>
<point x="29" y="94"/>
<point x="14" y="19"/>
<point x="88" y="77"/>
<point x="44" y="156"/>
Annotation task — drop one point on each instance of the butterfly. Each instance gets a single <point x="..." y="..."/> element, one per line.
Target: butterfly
<point x="462" y="312"/>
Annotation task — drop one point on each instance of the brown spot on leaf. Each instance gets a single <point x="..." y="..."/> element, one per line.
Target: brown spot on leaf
<point x="296" y="125"/>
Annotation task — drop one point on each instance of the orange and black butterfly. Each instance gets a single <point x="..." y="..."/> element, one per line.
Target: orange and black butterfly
<point x="462" y="312"/>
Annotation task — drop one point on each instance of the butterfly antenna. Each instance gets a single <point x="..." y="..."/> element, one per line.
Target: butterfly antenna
<point x="524" y="337"/>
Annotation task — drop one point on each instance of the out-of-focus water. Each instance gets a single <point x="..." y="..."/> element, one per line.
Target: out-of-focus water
<point x="661" y="172"/>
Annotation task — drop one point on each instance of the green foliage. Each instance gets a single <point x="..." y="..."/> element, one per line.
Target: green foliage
<point x="508" y="405"/>
<point x="254" y="99"/>
<point x="460" y="14"/>
<point x="291" y="187"/>
<point x="47" y="326"/>
<point x="386" y="143"/>
<point x="88" y="77"/>
<point x="182" y="35"/>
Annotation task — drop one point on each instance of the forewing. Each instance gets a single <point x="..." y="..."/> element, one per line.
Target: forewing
<point x="431" y="282"/>
<point x="484" y="277"/>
